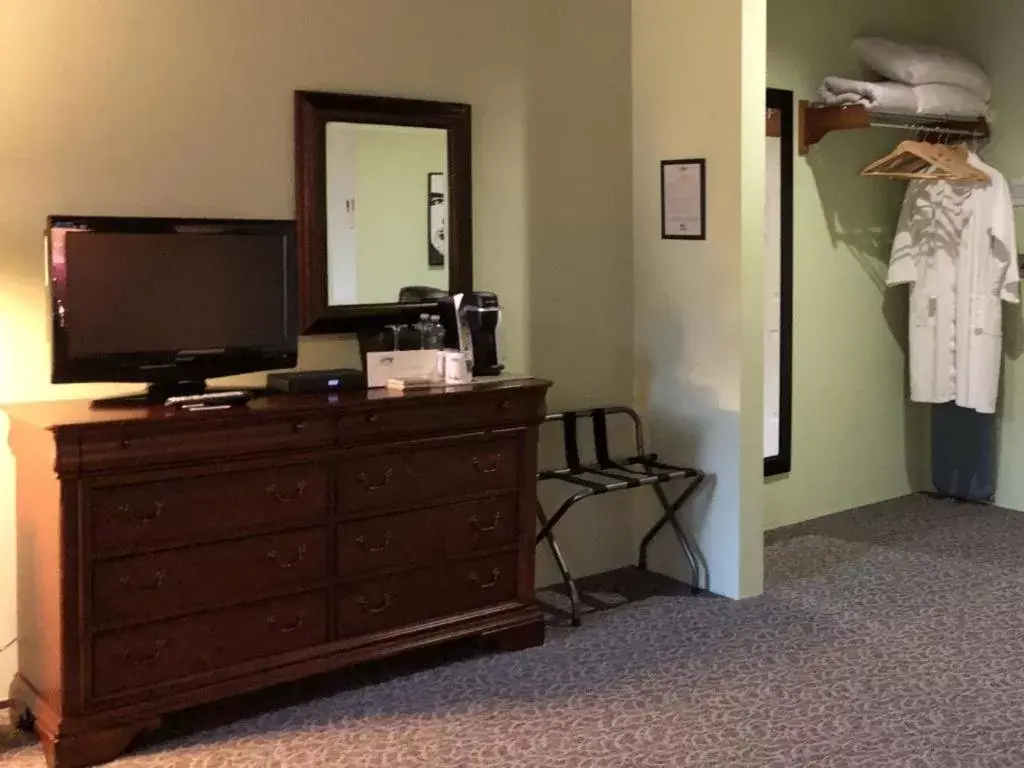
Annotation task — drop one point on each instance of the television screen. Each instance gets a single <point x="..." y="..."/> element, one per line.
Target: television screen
<point x="169" y="292"/>
<point x="170" y="299"/>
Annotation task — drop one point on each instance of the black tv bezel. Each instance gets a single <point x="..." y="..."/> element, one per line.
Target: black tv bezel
<point x="167" y="367"/>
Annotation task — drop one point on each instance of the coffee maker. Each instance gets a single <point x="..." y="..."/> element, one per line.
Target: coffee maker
<point x="481" y="313"/>
<point x="470" y="321"/>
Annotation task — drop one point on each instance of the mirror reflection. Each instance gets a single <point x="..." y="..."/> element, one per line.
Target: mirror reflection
<point x="387" y="211"/>
<point x="772" y="285"/>
<point x="778" y="285"/>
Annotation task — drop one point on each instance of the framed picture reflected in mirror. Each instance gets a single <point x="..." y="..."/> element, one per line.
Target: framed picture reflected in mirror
<point x="437" y="220"/>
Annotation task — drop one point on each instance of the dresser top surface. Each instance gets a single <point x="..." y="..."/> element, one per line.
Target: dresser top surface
<point x="62" y="414"/>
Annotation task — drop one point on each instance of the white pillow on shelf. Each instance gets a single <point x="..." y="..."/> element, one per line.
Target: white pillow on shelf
<point x="916" y="64"/>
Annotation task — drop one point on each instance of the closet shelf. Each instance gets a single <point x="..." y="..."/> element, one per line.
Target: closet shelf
<point x="818" y="120"/>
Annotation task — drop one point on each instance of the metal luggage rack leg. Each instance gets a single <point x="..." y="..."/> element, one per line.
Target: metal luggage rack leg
<point x="607" y="475"/>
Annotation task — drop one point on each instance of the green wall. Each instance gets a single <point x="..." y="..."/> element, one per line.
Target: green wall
<point x="856" y="439"/>
<point x="989" y="33"/>
<point x="391" y="210"/>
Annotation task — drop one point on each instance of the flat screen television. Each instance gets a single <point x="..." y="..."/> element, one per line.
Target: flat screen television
<point x="169" y="302"/>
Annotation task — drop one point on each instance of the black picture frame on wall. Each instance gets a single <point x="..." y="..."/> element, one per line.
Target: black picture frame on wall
<point x="690" y="178"/>
<point x="781" y="101"/>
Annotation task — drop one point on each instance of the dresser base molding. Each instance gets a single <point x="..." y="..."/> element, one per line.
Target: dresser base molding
<point x="78" y="742"/>
<point x="94" y="747"/>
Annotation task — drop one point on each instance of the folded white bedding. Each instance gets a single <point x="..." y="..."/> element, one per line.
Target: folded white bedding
<point x="929" y="100"/>
<point x="948" y="101"/>
<point x="917" y="64"/>
<point x="880" y="97"/>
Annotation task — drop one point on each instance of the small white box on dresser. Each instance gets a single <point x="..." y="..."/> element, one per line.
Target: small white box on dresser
<point x="403" y="364"/>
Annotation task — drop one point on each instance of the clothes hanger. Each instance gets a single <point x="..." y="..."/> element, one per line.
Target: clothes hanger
<point x="911" y="159"/>
<point x="926" y="161"/>
<point x="960" y="154"/>
<point x="914" y="160"/>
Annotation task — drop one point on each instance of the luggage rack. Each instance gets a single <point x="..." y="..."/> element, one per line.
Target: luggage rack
<point x="608" y="475"/>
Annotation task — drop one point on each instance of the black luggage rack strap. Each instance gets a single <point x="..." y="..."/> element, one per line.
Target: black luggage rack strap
<point x="607" y="475"/>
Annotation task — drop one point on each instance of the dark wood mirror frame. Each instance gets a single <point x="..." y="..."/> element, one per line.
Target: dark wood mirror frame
<point x="313" y="111"/>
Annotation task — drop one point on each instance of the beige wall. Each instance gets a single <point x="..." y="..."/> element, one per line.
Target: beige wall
<point x="856" y="439"/>
<point x="184" y="108"/>
<point x="698" y="343"/>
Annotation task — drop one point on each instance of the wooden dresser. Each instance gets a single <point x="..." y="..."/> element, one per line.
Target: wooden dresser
<point x="168" y="558"/>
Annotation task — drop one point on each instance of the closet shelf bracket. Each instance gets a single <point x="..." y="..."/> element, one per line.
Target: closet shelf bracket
<point x="818" y="120"/>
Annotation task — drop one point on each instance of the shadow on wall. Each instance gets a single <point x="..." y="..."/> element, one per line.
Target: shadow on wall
<point x="1013" y="348"/>
<point x="578" y="293"/>
<point x="862" y="214"/>
<point x="676" y="438"/>
<point x="8" y="560"/>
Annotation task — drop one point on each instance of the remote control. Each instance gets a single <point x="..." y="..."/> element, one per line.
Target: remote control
<point x="209" y="399"/>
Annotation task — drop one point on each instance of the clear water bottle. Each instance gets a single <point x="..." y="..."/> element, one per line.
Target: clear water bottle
<point x="420" y="328"/>
<point x="433" y="333"/>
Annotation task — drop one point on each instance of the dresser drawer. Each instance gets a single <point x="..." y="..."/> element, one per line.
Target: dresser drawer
<point x="147" y="443"/>
<point x="376" y="605"/>
<point x="472" y="410"/>
<point x="418" y="476"/>
<point x="157" y="653"/>
<point x="424" y="536"/>
<point x="192" y="509"/>
<point x="478" y="525"/>
<point x="388" y="602"/>
<point x="483" y="581"/>
<point x="374" y="543"/>
<point x="145" y="587"/>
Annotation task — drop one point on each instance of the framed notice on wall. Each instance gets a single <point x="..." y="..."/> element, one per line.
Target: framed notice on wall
<point x="683" y="209"/>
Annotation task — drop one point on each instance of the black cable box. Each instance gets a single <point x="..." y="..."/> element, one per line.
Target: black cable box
<point x="314" y="382"/>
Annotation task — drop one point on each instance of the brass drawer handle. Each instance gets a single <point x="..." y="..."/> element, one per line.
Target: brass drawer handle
<point x="495" y="575"/>
<point x="475" y="522"/>
<point x="382" y="547"/>
<point x="146" y="658"/>
<point x="298" y="426"/>
<point x="388" y="597"/>
<point x="158" y="509"/>
<point x="287" y="498"/>
<point x="284" y="629"/>
<point x="300" y="555"/>
<point x="154" y="584"/>
<point x="372" y="418"/>
<point x="489" y="468"/>
<point x="370" y="486"/>
<point x="126" y="443"/>
<point x="505" y="405"/>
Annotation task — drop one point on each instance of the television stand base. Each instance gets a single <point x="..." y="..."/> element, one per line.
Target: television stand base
<point x="155" y="394"/>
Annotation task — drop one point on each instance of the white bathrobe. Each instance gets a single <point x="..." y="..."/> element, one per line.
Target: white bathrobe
<point x="955" y="243"/>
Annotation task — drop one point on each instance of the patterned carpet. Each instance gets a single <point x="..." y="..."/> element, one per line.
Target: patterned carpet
<point x="888" y="636"/>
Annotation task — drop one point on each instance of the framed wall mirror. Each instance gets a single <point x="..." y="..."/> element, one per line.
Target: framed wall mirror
<point x="778" y="275"/>
<point x="383" y="202"/>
